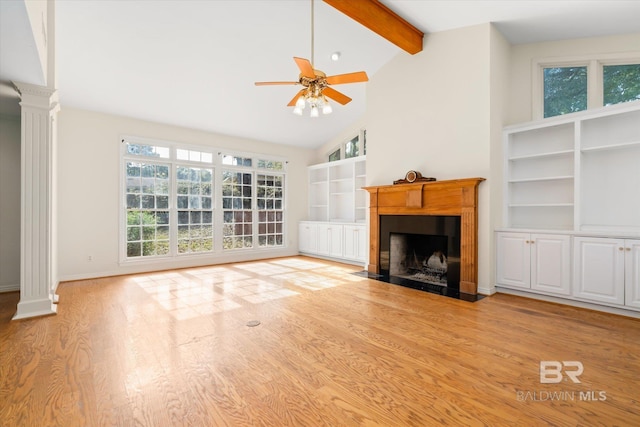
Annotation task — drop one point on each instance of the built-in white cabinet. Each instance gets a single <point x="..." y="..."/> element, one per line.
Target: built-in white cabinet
<point x="307" y="237"/>
<point x="571" y="214"/>
<point x="599" y="269"/>
<point x="337" y="211"/>
<point x="632" y="273"/>
<point x="606" y="270"/>
<point x="345" y="242"/>
<point x="539" y="262"/>
<point x="355" y="242"/>
<point x="330" y="239"/>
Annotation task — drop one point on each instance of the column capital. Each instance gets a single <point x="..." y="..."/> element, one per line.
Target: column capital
<point x="37" y="96"/>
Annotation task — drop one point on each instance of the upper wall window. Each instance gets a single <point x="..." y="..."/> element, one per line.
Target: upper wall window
<point x="565" y="86"/>
<point x="354" y="147"/>
<point x="621" y="83"/>
<point x="565" y="90"/>
<point x="335" y="155"/>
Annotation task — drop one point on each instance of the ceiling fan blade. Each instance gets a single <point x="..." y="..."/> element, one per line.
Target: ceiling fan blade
<point x="336" y="96"/>
<point x="292" y="103"/>
<point x="357" y="77"/>
<point x="276" y="83"/>
<point x="305" y="67"/>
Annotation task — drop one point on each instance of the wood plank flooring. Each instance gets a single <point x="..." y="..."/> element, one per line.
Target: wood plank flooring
<point x="332" y="349"/>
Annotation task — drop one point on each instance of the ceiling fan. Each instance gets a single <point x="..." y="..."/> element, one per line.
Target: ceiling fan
<point x="316" y="85"/>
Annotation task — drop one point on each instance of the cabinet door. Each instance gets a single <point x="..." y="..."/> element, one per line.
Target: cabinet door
<point x="355" y="242"/>
<point x="307" y="238"/>
<point x="550" y="263"/>
<point x="330" y="240"/>
<point x="598" y="269"/>
<point x="632" y="273"/>
<point x="513" y="260"/>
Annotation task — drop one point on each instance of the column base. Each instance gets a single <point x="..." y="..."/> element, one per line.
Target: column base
<point x="27" y="309"/>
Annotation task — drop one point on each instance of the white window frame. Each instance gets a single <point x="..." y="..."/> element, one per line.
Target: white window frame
<point x="217" y="167"/>
<point x="595" y="84"/>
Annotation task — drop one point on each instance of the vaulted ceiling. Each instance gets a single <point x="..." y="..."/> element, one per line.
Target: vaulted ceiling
<point x="194" y="63"/>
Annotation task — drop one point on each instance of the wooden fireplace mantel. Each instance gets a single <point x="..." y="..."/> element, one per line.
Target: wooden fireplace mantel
<point x="458" y="197"/>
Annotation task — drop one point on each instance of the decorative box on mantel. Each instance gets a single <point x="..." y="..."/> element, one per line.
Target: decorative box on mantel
<point x="452" y="198"/>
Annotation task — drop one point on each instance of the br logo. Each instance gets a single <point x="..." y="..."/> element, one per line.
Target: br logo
<point x="551" y="371"/>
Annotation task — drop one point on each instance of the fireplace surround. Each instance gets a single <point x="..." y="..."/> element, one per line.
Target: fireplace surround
<point x="451" y="198"/>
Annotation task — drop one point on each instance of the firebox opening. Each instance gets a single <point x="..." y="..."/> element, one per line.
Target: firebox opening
<point x="422" y="252"/>
<point x="423" y="258"/>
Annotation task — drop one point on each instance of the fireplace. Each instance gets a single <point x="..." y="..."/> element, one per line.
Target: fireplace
<point x="412" y="225"/>
<point x="422" y="249"/>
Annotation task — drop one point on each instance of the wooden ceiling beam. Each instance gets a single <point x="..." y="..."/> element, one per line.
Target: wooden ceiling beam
<point x="380" y="19"/>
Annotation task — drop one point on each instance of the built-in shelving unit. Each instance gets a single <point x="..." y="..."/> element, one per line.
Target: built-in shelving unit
<point x="335" y="191"/>
<point x="574" y="172"/>
<point x="337" y="211"/>
<point x="572" y="181"/>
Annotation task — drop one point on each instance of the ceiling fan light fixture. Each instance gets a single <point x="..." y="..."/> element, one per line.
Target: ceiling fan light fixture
<point x="297" y="111"/>
<point x="300" y="102"/>
<point x="326" y="108"/>
<point x="314" y="111"/>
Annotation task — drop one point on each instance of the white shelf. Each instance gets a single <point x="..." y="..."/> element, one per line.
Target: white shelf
<point x="611" y="147"/>
<point x="541" y="155"/>
<point x="546" y="178"/>
<point x="540" y="205"/>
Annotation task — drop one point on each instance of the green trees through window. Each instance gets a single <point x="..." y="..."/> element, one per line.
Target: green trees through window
<point x="170" y="204"/>
<point x="621" y="83"/>
<point x="566" y="88"/>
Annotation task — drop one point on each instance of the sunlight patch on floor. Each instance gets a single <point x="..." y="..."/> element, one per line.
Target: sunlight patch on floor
<point x="202" y="291"/>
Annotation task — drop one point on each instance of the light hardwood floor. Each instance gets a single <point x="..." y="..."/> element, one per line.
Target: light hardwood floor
<point x="174" y="349"/>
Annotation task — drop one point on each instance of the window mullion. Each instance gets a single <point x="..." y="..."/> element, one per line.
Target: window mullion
<point x="594" y="84"/>
<point x="173" y="211"/>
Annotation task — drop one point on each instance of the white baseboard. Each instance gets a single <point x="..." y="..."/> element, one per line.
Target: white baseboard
<point x="486" y="291"/>
<point x="9" y="288"/>
<point x="571" y="302"/>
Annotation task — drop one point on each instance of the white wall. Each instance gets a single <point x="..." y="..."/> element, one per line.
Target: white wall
<point x="520" y="97"/>
<point x="431" y="112"/>
<point x="88" y="190"/>
<point x="9" y="203"/>
<point x="38" y="18"/>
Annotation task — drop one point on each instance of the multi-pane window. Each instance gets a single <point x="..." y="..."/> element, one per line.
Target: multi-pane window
<point x="171" y="207"/>
<point x="195" y="209"/>
<point x="270" y="194"/>
<point x="586" y="83"/>
<point x="237" y="196"/>
<point x="147" y="208"/>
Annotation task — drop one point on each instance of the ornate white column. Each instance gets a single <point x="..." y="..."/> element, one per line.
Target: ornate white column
<point x="37" y="282"/>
